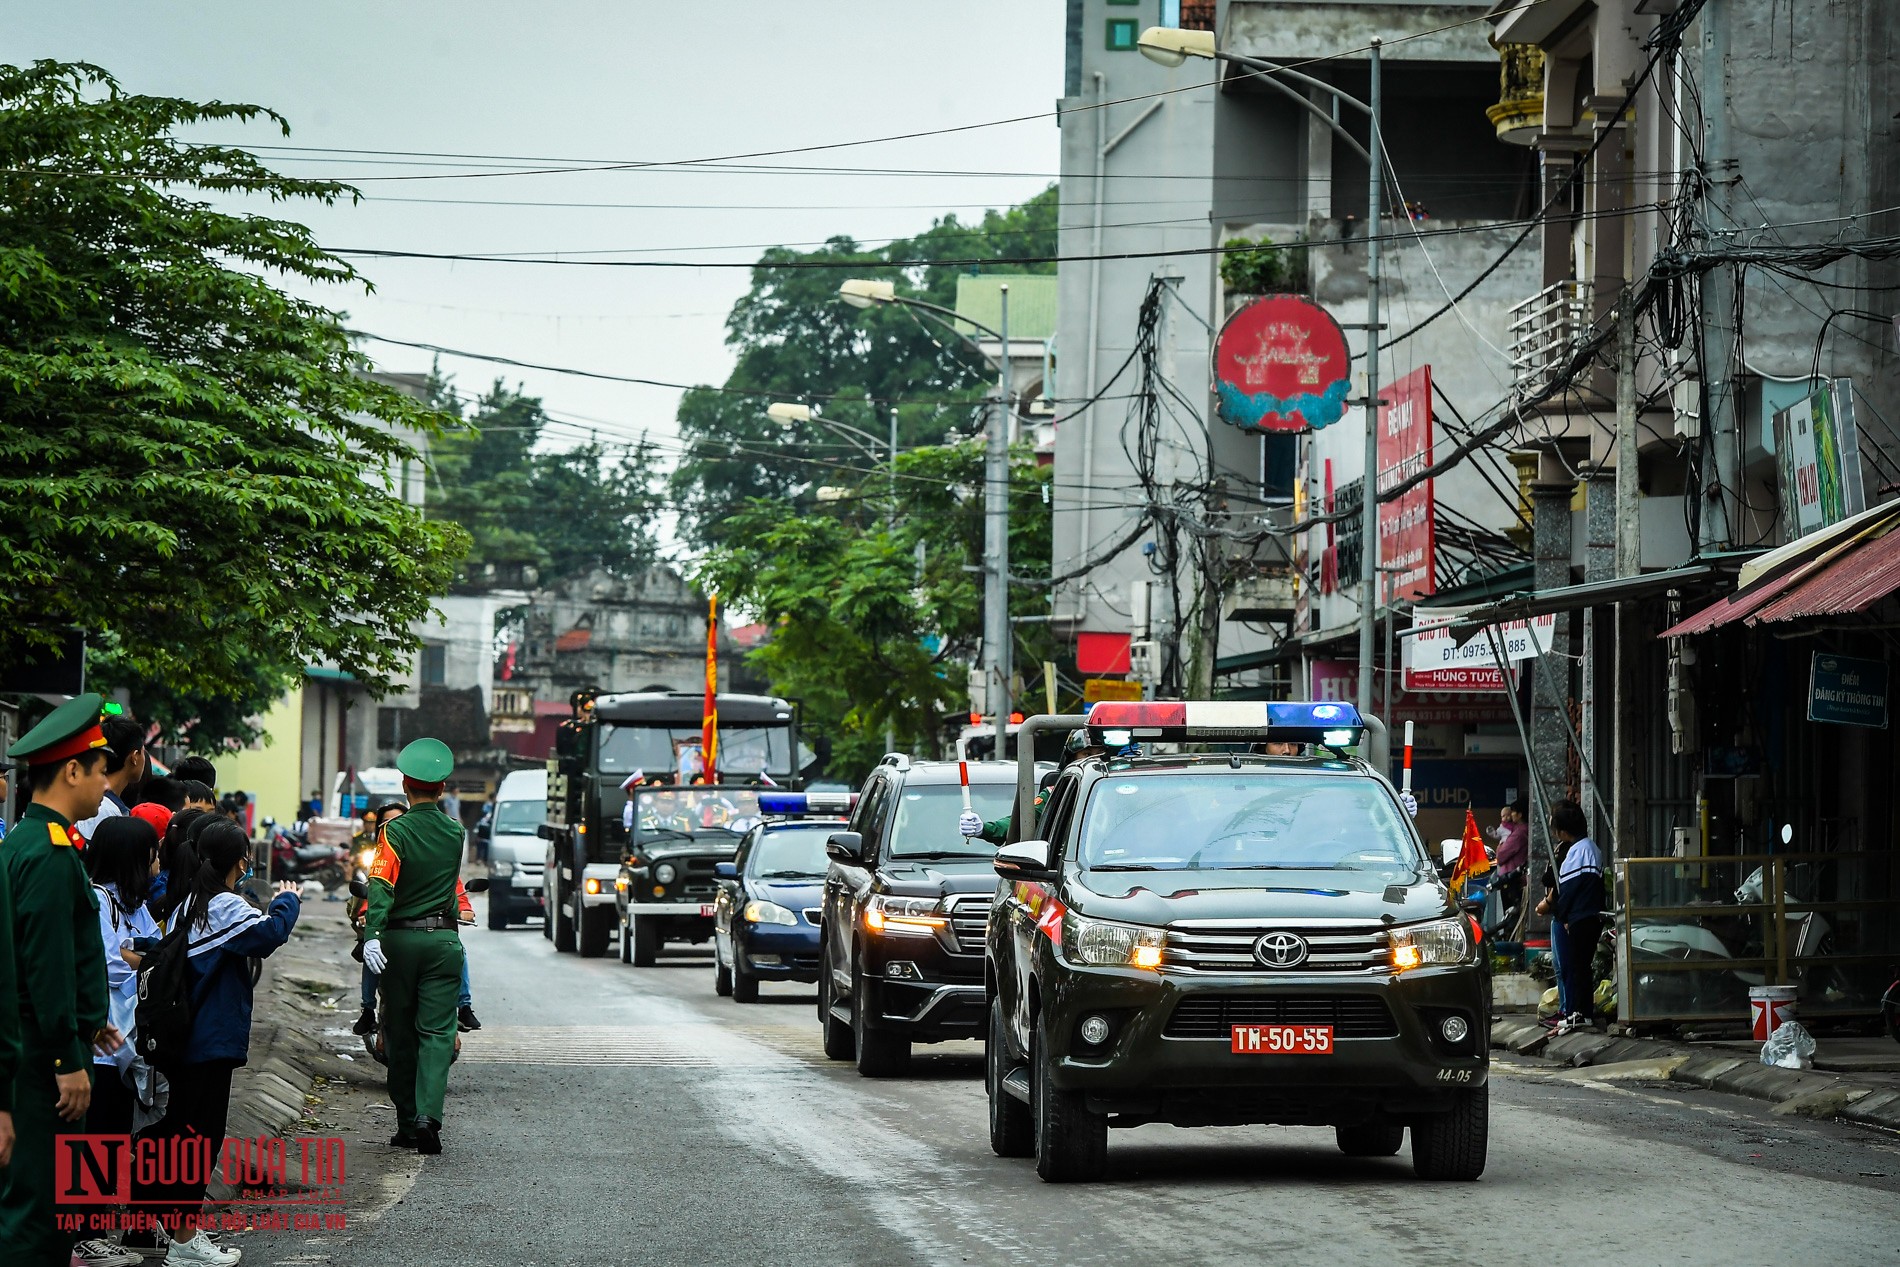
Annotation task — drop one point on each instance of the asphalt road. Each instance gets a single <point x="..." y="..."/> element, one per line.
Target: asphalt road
<point x="609" y="1114"/>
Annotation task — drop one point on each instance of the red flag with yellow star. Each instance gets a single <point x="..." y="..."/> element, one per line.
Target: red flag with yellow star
<point x="1472" y="859"/>
<point x="709" y="716"/>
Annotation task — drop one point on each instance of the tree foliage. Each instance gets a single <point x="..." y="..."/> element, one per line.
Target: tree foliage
<point x="796" y="342"/>
<point x="562" y="513"/>
<point x="194" y="468"/>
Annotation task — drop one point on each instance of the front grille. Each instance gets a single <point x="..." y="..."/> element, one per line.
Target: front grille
<point x="1215" y="1015"/>
<point x="970" y="923"/>
<point x="1229" y="950"/>
<point x="814" y="915"/>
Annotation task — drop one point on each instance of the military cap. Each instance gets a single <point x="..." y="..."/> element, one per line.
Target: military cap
<point x="426" y="761"/>
<point x="66" y="732"/>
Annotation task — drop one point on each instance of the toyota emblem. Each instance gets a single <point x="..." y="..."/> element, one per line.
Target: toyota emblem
<point x="1280" y="950"/>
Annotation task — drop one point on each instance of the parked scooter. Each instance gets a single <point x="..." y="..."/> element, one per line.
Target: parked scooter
<point x="294" y="857"/>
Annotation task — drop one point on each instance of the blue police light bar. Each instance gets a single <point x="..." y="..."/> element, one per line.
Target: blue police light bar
<point x="1332" y="723"/>
<point x="794" y="804"/>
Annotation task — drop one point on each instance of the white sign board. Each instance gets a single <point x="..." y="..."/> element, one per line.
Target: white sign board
<point x="1435" y="661"/>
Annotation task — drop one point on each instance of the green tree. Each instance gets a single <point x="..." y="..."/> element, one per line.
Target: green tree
<point x="795" y="341"/>
<point x="194" y="468"/>
<point x="562" y="513"/>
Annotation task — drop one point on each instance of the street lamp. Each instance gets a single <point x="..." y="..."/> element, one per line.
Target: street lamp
<point x="1171" y="47"/>
<point x="866" y="293"/>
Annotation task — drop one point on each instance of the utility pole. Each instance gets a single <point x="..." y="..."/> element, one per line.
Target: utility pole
<point x="1369" y="499"/>
<point x="996" y="636"/>
<point x="1624" y="734"/>
<point x="1718" y="514"/>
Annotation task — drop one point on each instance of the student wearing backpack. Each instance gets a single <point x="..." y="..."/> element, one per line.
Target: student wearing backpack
<point x="121" y="858"/>
<point x="221" y="930"/>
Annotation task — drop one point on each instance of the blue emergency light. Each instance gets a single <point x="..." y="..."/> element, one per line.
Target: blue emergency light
<point x="1328" y="722"/>
<point x="796" y="804"/>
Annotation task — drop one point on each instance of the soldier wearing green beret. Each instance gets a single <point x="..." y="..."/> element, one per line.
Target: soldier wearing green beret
<point x="60" y="978"/>
<point x="410" y="938"/>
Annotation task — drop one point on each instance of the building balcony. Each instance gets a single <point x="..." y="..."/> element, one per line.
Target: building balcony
<point x="1546" y="331"/>
<point x="1266" y="597"/>
<point x="1519" y="114"/>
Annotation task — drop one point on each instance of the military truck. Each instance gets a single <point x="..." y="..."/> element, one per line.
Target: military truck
<point x="598" y="751"/>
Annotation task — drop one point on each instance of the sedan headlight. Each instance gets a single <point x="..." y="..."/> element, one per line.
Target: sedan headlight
<point x="666" y="873"/>
<point x="503" y="869"/>
<point x="907" y="916"/>
<point x="1423" y="945"/>
<point x="757" y="912"/>
<point x="1097" y="942"/>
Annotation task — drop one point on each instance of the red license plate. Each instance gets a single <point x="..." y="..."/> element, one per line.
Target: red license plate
<point x="705" y="911"/>
<point x="1283" y="1040"/>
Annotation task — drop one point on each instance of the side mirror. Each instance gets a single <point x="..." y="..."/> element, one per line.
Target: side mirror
<point x="359" y="888"/>
<point x="478" y="885"/>
<point x="1025" y="860"/>
<point x="845" y="846"/>
<point x="725" y="871"/>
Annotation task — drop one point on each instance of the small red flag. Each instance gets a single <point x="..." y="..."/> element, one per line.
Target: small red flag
<point x="1472" y="859"/>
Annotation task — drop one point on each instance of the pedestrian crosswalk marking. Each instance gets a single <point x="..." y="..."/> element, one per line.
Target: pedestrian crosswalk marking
<point x="619" y="1046"/>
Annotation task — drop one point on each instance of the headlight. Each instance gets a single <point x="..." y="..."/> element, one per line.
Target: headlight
<point x="910" y="916"/>
<point x="768" y="913"/>
<point x="503" y="869"/>
<point x="1092" y="941"/>
<point x="1422" y="945"/>
<point x="666" y="873"/>
<point x="364" y="857"/>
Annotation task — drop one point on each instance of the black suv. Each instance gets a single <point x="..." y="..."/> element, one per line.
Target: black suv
<point x="1228" y="939"/>
<point x="907" y="900"/>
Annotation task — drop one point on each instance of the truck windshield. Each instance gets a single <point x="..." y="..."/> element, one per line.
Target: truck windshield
<point x="788" y="853"/>
<point x="686" y="811"/>
<point x="1243" y="821"/>
<point x="744" y="751"/>
<point x="926" y="822"/>
<point x="518" y="818"/>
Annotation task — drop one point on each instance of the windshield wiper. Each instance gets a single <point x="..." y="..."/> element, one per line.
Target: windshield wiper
<point x="1133" y="866"/>
<point x="936" y="854"/>
<point x="787" y="875"/>
<point x="662" y="833"/>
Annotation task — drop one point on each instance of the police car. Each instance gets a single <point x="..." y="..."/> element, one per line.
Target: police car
<point x="1225" y="937"/>
<point x="766" y="913"/>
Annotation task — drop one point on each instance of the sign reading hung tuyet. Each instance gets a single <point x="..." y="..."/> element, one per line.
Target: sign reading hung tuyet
<point x="1817" y="448"/>
<point x="1436" y="661"/>
<point x="1407" y="540"/>
<point x="1847" y="691"/>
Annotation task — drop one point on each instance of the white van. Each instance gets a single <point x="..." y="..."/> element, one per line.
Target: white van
<point x="516" y="854"/>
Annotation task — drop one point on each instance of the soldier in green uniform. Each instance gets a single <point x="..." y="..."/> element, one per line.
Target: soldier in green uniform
<point x="410" y="938"/>
<point x="996" y="830"/>
<point x="60" y="988"/>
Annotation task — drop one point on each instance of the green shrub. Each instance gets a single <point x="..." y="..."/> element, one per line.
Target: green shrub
<point x="1261" y="268"/>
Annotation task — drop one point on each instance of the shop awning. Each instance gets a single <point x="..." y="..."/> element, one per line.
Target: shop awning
<point x="1843" y="569"/>
<point x="1568" y="598"/>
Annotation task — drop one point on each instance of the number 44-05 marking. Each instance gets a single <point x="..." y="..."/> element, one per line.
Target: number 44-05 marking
<point x="1454" y="1075"/>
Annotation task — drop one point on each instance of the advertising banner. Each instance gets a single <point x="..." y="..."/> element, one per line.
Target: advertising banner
<point x="1434" y="660"/>
<point x="1406" y="536"/>
<point x="1817" y="448"/>
<point x="1281" y="364"/>
<point x="1847" y="692"/>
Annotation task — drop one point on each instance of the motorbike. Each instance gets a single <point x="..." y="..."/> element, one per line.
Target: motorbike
<point x="294" y="857"/>
<point x="359" y="888"/>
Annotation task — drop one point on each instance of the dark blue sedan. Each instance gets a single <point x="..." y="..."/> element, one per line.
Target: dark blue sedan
<point x="765" y="917"/>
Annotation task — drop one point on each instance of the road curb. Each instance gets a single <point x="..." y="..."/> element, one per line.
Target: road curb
<point x="1808" y="1092"/>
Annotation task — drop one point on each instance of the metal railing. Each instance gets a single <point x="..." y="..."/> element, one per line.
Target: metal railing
<point x="1698" y="932"/>
<point x="1546" y="330"/>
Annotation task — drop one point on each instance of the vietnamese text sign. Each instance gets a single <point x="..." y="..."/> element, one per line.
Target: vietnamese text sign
<point x="1817" y="449"/>
<point x="1435" y="661"/>
<point x="1339" y="680"/>
<point x="1406" y="536"/>
<point x="1097" y="689"/>
<point x="1847" y="691"/>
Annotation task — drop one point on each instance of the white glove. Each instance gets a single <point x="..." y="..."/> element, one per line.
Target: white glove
<point x="1410" y="802"/>
<point x="373" y="957"/>
<point x="969" y="824"/>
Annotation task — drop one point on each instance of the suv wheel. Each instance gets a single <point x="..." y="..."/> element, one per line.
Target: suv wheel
<point x="1071" y="1141"/>
<point x="1370" y="1139"/>
<point x="645" y="939"/>
<point x="561" y="915"/>
<point x="626" y="938"/>
<point x="497" y="909"/>
<point x="1452" y="1145"/>
<point x="881" y="1054"/>
<point x="722" y="975"/>
<point x="1012" y="1131"/>
<point x="840" y="1043"/>
<point x="745" y="986"/>
<point x="594" y="927"/>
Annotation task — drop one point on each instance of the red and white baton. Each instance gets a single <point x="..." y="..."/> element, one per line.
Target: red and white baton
<point x="1406" y="777"/>
<point x="963" y="773"/>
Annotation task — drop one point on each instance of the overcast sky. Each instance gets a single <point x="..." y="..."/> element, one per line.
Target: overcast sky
<point x="632" y="81"/>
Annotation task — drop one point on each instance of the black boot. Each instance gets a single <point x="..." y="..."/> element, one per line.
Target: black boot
<point x="428" y="1136"/>
<point x="403" y="1139"/>
<point x="366" y="1023"/>
<point x="465" y="1019"/>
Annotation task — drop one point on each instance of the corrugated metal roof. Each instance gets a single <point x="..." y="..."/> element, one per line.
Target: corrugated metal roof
<point x="1032" y="303"/>
<point x="1852" y="582"/>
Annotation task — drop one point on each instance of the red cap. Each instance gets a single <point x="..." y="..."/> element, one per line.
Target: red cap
<point x="157" y="815"/>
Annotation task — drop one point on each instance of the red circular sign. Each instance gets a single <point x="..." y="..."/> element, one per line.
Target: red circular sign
<point x="1281" y="365"/>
